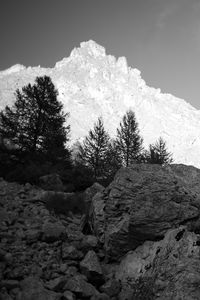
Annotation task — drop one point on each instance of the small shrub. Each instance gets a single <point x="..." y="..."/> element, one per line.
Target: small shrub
<point x="63" y="203"/>
<point x="29" y="172"/>
<point x="79" y="178"/>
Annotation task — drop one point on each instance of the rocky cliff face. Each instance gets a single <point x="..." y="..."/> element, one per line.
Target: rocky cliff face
<point x="93" y="84"/>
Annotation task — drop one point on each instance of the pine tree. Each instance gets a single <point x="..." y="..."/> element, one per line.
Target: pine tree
<point x="113" y="160"/>
<point x="158" y="153"/>
<point x="35" y="123"/>
<point x="128" y="140"/>
<point x="93" y="151"/>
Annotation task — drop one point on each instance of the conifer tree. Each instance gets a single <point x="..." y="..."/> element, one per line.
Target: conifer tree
<point x="93" y="151"/>
<point x="128" y="140"/>
<point x="158" y="153"/>
<point x="35" y="123"/>
<point x="113" y="160"/>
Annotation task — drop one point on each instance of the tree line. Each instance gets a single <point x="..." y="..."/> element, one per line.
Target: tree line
<point x="35" y="130"/>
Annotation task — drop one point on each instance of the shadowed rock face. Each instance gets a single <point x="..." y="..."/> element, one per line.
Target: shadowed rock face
<point x="172" y="265"/>
<point x="176" y="267"/>
<point x="142" y="203"/>
<point x="47" y="256"/>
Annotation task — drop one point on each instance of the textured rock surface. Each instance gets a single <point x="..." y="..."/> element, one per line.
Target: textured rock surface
<point x="189" y="175"/>
<point x="81" y="287"/>
<point x="91" y="268"/>
<point x="136" y="263"/>
<point x="91" y="192"/>
<point x="171" y="266"/>
<point x="176" y="267"/>
<point x="142" y="203"/>
<point x="97" y="216"/>
<point x="91" y="83"/>
<point x="46" y="256"/>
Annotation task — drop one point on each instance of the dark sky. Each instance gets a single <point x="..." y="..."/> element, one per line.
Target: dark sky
<point x="159" y="37"/>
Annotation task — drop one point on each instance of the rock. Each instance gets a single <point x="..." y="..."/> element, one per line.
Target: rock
<point x="51" y="182"/>
<point x="91" y="192"/>
<point x="127" y="294"/>
<point x="189" y="175"/>
<point x="111" y="287"/>
<point x="91" y="268"/>
<point x="8" y="217"/>
<point x="142" y="203"/>
<point x="8" y="258"/>
<point x="100" y="296"/>
<point x="52" y="231"/>
<point x="5" y="296"/>
<point x="74" y="235"/>
<point x="70" y="252"/>
<point x="80" y="287"/>
<point x="176" y="267"/>
<point x="28" y="187"/>
<point x="2" y="254"/>
<point x="97" y="216"/>
<point x="9" y="284"/>
<point x="89" y="242"/>
<point x="33" y="235"/>
<point x="32" y="289"/>
<point x="136" y="263"/>
<point x="67" y="295"/>
<point x="68" y="270"/>
<point x="168" y="269"/>
<point x="57" y="284"/>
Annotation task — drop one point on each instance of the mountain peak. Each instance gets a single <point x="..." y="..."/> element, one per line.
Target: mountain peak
<point x="86" y="49"/>
<point x="93" y="48"/>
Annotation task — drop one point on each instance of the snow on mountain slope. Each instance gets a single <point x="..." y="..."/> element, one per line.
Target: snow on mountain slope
<point x="93" y="84"/>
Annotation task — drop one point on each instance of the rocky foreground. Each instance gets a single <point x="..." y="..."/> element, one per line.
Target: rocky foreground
<point x="139" y="239"/>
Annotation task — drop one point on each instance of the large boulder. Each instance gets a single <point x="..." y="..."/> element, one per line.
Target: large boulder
<point x="167" y="269"/>
<point x="142" y="203"/>
<point x="176" y="267"/>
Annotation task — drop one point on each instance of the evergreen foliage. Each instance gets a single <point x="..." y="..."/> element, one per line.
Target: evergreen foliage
<point x="128" y="140"/>
<point x="113" y="160"/>
<point x="93" y="151"/>
<point x="35" y="123"/>
<point x="158" y="153"/>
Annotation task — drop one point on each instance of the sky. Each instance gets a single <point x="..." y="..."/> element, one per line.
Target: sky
<point x="161" y="38"/>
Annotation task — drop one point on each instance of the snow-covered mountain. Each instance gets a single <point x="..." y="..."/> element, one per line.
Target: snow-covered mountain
<point x="93" y="84"/>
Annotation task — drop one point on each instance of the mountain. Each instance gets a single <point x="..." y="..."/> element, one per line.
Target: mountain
<point x="93" y="84"/>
